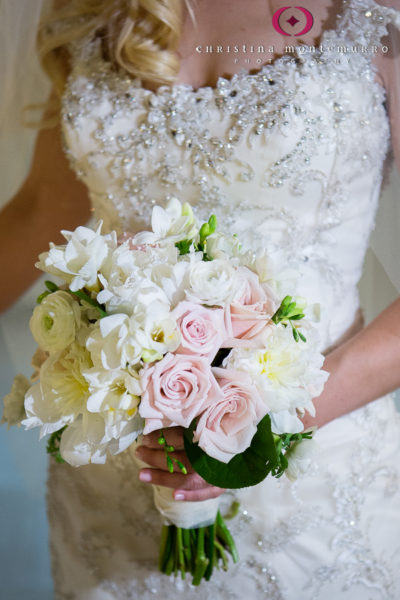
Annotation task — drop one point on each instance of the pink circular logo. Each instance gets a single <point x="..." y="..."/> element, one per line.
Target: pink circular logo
<point x="285" y="20"/>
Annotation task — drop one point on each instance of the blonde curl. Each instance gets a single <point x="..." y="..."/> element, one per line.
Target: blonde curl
<point x="139" y="36"/>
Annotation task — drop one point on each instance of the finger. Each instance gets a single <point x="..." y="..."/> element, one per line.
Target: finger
<point x="176" y="480"/>
<point x="156" y="458"/>
<point x="173" y="436"/>
<point x="198" y="495"/>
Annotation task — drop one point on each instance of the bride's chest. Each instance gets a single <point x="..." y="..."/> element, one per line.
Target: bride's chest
<point x="301" y="125"/>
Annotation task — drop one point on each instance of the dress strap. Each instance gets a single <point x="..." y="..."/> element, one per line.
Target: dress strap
<point x="365" y="22"/>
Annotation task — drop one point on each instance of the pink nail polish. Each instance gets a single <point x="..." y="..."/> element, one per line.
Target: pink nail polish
<point x="146" y="476"/>
<point x="179" y="496"/>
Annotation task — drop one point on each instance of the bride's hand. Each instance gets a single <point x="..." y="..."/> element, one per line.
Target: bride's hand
<point x="186" y="487"/>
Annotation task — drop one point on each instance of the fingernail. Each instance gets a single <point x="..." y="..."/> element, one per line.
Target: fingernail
<point x="179" y="496"/>
<point x="145" y="476"/>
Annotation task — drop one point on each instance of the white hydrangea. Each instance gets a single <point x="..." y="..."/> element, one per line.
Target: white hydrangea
<point x="80" y="260"/>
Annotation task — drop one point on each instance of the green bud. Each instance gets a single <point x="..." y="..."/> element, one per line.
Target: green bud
<point x="149" y="356"/>
<point x="212" y="221"/>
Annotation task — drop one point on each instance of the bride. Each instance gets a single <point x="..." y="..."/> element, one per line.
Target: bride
<point x="289" y="153"/>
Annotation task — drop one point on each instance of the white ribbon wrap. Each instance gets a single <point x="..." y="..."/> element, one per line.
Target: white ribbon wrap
<point x="181" y="513"/>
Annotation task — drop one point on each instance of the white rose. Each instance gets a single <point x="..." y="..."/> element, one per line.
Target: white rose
<point x="55" y="321"/>
<point x="300" y="458"/>
<point x="212" y="283"/>
<point x="14" y="411"/>
<point x="79" y="261"/>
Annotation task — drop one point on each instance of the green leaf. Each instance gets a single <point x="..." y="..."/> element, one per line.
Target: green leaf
<point x="52" y="287"/>
<point x="184" y="246"/>
<point x="243" y="470"/>
<point x="42" y="296"/>
<point x="53" y="445"/>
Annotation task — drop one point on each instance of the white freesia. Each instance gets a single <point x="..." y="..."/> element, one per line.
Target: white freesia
<point x="212" y="283"/>
<point x="79" y="261"/>
<point x="115" y="395"/>
<point x="300" y="458"/>
<point x="14" y="410"/>
<point x="223" y="246"/>
<point x="169" y="225"/>
<point x="55" y="321"/>
<point x="61" y="395"/>
<point x="119" y="340"/>
<point x="158" y="331"/>
<point x="126" y="297"/>
<point x="288" y="373"/>
<point x="112" y="343"/>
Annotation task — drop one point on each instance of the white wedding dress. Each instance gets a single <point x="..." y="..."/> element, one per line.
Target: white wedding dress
<point x="289" y="157"/>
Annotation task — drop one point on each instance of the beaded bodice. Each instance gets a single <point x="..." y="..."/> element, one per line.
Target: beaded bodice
<point x="290" y="157"/>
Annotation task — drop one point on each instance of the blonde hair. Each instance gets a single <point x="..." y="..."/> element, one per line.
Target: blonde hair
<point x="138" y="36"/>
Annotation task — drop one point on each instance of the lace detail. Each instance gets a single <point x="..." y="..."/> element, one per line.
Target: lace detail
<point x="290" y="157"/>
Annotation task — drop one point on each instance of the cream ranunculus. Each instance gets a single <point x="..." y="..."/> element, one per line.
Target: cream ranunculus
<point x="80" y="260"/>
<point x="14" y="411"/>
<point x="55" y="321"/>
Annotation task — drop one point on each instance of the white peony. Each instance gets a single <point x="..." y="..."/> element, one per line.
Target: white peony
<point x="55" y="321"/>
<point x="212" y="283"/>
<point x="287" y="373"/>
<point x="14" y="410"/>
<point x="300" y="458"/>
<point x="86" y="441"/>
<point x="79" y="261"/>
<point x="61" y="395"/>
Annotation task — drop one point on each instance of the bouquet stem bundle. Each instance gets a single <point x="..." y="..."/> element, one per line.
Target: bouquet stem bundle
<point x="196" y="551"/>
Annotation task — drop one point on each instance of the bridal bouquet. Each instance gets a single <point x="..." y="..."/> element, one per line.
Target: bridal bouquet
<point x="178" y="326"/>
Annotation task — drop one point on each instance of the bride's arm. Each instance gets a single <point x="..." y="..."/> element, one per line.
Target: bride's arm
<point x="364" y="368"/>
<point x="49" y="200"/>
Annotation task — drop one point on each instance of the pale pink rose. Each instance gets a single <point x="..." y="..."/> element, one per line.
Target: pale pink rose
<point x="227" y="427"/>
<point x="177" y="388"/>
<point x="203" y="329"/>
<point x="250" y="311"/>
